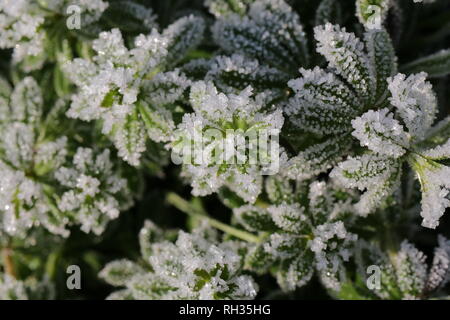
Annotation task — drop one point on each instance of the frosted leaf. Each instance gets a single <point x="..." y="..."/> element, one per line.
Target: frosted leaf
<point x="290" y="218"/>
<point x="207" y="141"/>
<point x="282" y="246"/>
<point x="183" y="35"/>
<point x="119" y="272"/>
<point x="381" y="133"/>
<point x="438" y="134"/>
<point x="26" y="101"/>
<point x="271" y="32"/>
<point x="435" y="186"/>
<point x="411" y="270"/>
<point x="236" y="72"/>
<point x="149" y="234"/>
<point x="324" y="204"/>
<point x="17" y="142"/>
<point x="20" y="21"/>
<point x="129" y="138"/>
<point x="439" y="152"/>
<point x="415" y="102"/>
<point x="253" y="218"/>
<point x="298" y="273"/>
<point x="21" y="195"/>
<point x="332" y="245"/>
<point x="279" y="189"/>
<point x="322" y="103"/>
<point x="318" y="158"/>
<point x="165" y="87"/>
<point x="50" y="155"/>
<point x="133" y="16"/>
<point x="345" y="54"/>
<point x="376" y="174"/>
<point x="93" y="191"/>
<point x="191" y="268"/>
<point x="369" y="254"/>
<point x="90" y="10"/>
<point x="382" y="56"/>
<point x="439" y="273"/>
<point x="372" y="13"/>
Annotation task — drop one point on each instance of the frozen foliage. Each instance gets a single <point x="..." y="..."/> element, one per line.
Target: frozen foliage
<point x="305" y="148"/>
<point x="405" y="275"/>
<point x="325" y="102"/>
<point x="303" y="238"/>
<point x="23" y="25"/>
<point x="270" y="32"/>
<point x="195" y="266"/>
<point x="211" y="142"/>
<point x="36" y="168"/>
<point x="13" y="289"/>
<point x="393" y="143"/>
<point x="96" y="191"/>
<point x="128" y="89"/>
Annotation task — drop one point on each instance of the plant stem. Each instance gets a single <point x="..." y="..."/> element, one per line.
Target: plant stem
<point x="8" y="262"/>
<point x="184" y="206"/>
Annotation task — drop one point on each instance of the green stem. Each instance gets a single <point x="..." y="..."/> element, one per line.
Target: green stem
<point x="184" y="206"/>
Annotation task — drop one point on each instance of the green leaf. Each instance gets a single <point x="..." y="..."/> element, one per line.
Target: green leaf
<point x="129" y="137"/>
<point x="372" y="13"/>
<point x="382" y="56"/>
<point x="318" y="158"/>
